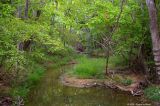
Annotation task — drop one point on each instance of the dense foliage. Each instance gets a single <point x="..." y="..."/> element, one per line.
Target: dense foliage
<point x="31" y="31"/>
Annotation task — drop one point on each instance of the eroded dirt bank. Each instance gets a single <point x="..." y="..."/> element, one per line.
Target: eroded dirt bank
<point x="135" y="88"/>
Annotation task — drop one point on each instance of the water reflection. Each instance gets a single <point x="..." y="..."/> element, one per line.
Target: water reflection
<point x="50" y="92"/>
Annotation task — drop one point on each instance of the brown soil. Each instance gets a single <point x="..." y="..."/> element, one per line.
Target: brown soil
<point x="138" y="82"/>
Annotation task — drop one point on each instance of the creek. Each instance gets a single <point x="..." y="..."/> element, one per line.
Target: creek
<point x="51" y="92"/>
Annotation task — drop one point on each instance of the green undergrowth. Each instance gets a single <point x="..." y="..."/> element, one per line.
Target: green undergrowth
<point x="127" y="82"/>
<point x="57" y="61"/>
<point x="22" y="89"/>
<point x="122" y="80"/>
<point x="117" y="62"/>
<point x="35" y="73"/>
<point x="153" y="93"/>
<point x="89" y="67"/>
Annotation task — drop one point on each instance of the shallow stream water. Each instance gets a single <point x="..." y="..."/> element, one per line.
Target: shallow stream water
<point x="51" y="92"/>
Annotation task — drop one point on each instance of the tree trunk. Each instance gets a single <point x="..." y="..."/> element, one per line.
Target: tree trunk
<point x="26" y="9"/>
<point x="154" y="35"/>
<point x="107" y="59"/>
<point x="19" y="12"/>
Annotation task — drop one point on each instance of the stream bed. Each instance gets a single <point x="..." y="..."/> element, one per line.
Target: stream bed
<point x="50" y="92"/>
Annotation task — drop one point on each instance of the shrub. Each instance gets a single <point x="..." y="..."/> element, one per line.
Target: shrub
<point x="117" y="61"/>
<point x="31" y="80"/>
<point x="35" y="76"/>
<point x="58" y="61"/>
<point x="153" y="93"/>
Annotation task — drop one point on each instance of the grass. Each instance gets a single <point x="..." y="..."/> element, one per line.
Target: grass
<point x="89" y="68"/>
<point x="153" y="93"/>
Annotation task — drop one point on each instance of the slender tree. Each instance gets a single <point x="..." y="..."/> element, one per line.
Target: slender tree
<point x="26" y="9"/>
<point x="154" y="35"/>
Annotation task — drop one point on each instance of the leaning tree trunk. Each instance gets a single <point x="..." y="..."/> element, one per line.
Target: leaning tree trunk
<point x="154" y="35"/>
